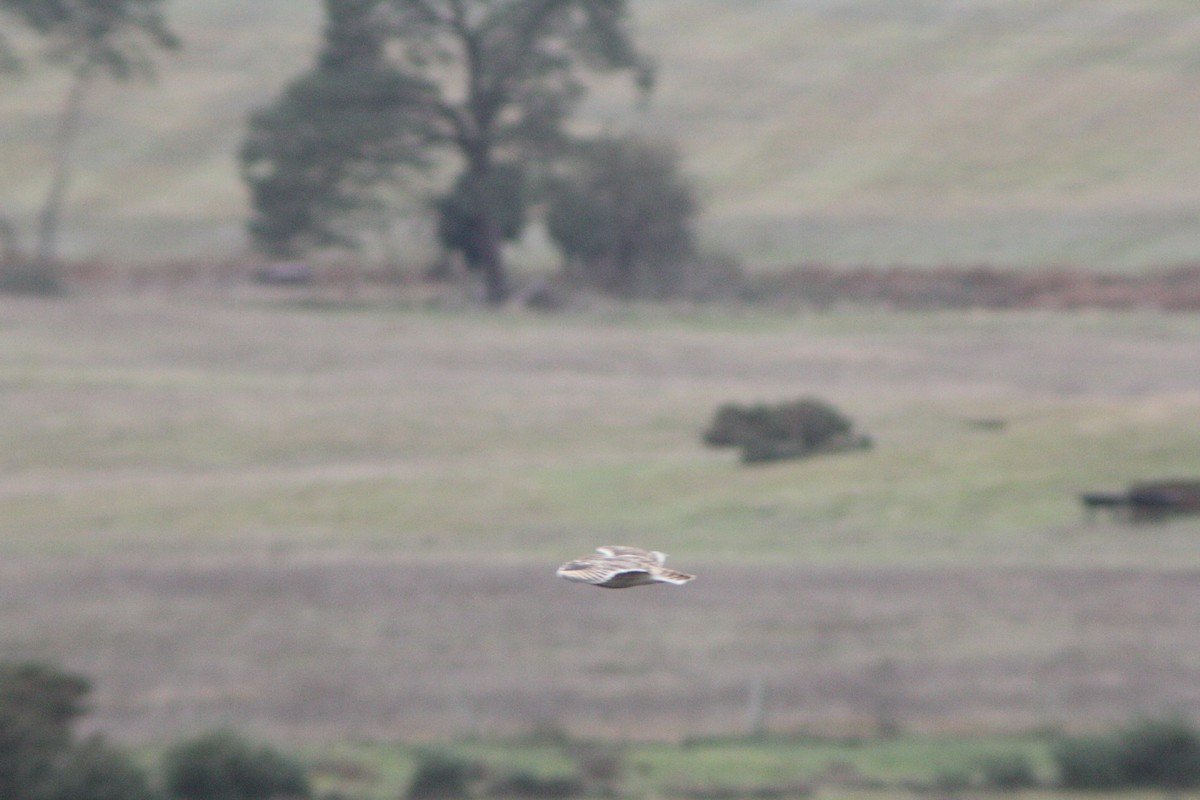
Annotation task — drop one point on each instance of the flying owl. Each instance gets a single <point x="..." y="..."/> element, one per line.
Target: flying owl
<point x="619" y="567"/>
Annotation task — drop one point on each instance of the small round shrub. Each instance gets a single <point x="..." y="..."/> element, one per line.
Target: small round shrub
<point x="1161" y="753"/>
<point x="440" y="776"/>
<point x="811" y="421"/>
<point x="1148" y="754"/>
<point x="94" y="770"/>
<point x="1089" y="762"/>
<point x="758" y="449"/>
<point x="728" y="426"/>
<point x="1008" y="772"/>
<point x="223" y="766"/>
<point x="787" y="430"/>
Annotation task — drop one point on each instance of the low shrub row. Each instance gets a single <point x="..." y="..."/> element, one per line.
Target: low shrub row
<point x="42" y="759"/>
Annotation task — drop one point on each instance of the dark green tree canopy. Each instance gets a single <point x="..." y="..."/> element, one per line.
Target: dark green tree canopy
<point x="492" y="81"/>
<point x="622" y="216"/>
<point x="38" y="705"/>
<point x="509" y="74"/>
<point x="113" y="36"/>
<point x="95" y="770"/>
<point x="509" y="71"/>
<point x="503" y="189"/>
<point x="313" y="157"/>
<point x="221" y="765"/>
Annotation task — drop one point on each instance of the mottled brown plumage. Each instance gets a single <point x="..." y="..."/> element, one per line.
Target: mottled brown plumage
<point x="619" y="567"/>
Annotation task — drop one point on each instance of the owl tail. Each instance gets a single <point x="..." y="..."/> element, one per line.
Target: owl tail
<point x="672" y="576"/>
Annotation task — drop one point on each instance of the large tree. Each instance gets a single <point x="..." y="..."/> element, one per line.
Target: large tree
<point x="315" y="157"/>
<point x="92" y="38"/>
<point x="494" y="82"/>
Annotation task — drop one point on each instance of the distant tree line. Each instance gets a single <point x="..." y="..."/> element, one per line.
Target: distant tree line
<point x="471" y="97"/>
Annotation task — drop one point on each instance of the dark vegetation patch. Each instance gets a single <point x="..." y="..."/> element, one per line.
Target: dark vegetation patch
<point x="793" y="429"/>
<point x="1150" y="753"/>
<point x="1147" y="501"/>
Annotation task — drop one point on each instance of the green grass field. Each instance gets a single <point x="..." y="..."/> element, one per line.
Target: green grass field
<point x="418" y="431"/>
<point x="334" y="525"/>
<point x="1021" y="135"/>
<point x="833" y="768"/>
<point x="341" y="522"/>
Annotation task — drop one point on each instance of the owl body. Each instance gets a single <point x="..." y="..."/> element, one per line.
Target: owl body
<point x="620" y="567"/>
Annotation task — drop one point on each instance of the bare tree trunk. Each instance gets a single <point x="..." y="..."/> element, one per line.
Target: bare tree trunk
<point x="8" y="244"/>
<point x="756" y="707"/>
<point x="45" y="261"/>
<point x="491" y="261"/>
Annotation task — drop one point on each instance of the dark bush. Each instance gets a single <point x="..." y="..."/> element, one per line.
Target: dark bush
<point x="757" y="448"/>
<point x="94" y="770"/>
<point x="1161" y="753"/>
<point x="729" y="426"/>
<point x="1148" y="754"/>
<point x="1008" y="772"/>
<point x="38" y="706"/>
<point x="621" y="215"/>
<point x="811" y="421"/>
<point x="1089" y="762"/>
<point x="223" y="766"/>
<point x="440" y="776"/>
<point x="788" y="430"/>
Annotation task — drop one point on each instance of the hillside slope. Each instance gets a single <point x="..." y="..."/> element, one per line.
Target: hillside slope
<point x="836" y="131"/>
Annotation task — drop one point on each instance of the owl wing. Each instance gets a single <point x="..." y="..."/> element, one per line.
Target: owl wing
<point x="596" y="570"/>
<point x="624" y="551"/>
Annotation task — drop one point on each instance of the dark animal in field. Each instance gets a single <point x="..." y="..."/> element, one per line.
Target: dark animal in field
<point x="620" y="567"/>
<point x="1151" y="501"/>
<point x="1114" y="502"/>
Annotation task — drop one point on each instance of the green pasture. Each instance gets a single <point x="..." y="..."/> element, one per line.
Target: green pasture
<point x="182" y="429"/>
<point x="340" y="523"/>
<point x="830" y="768"/>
